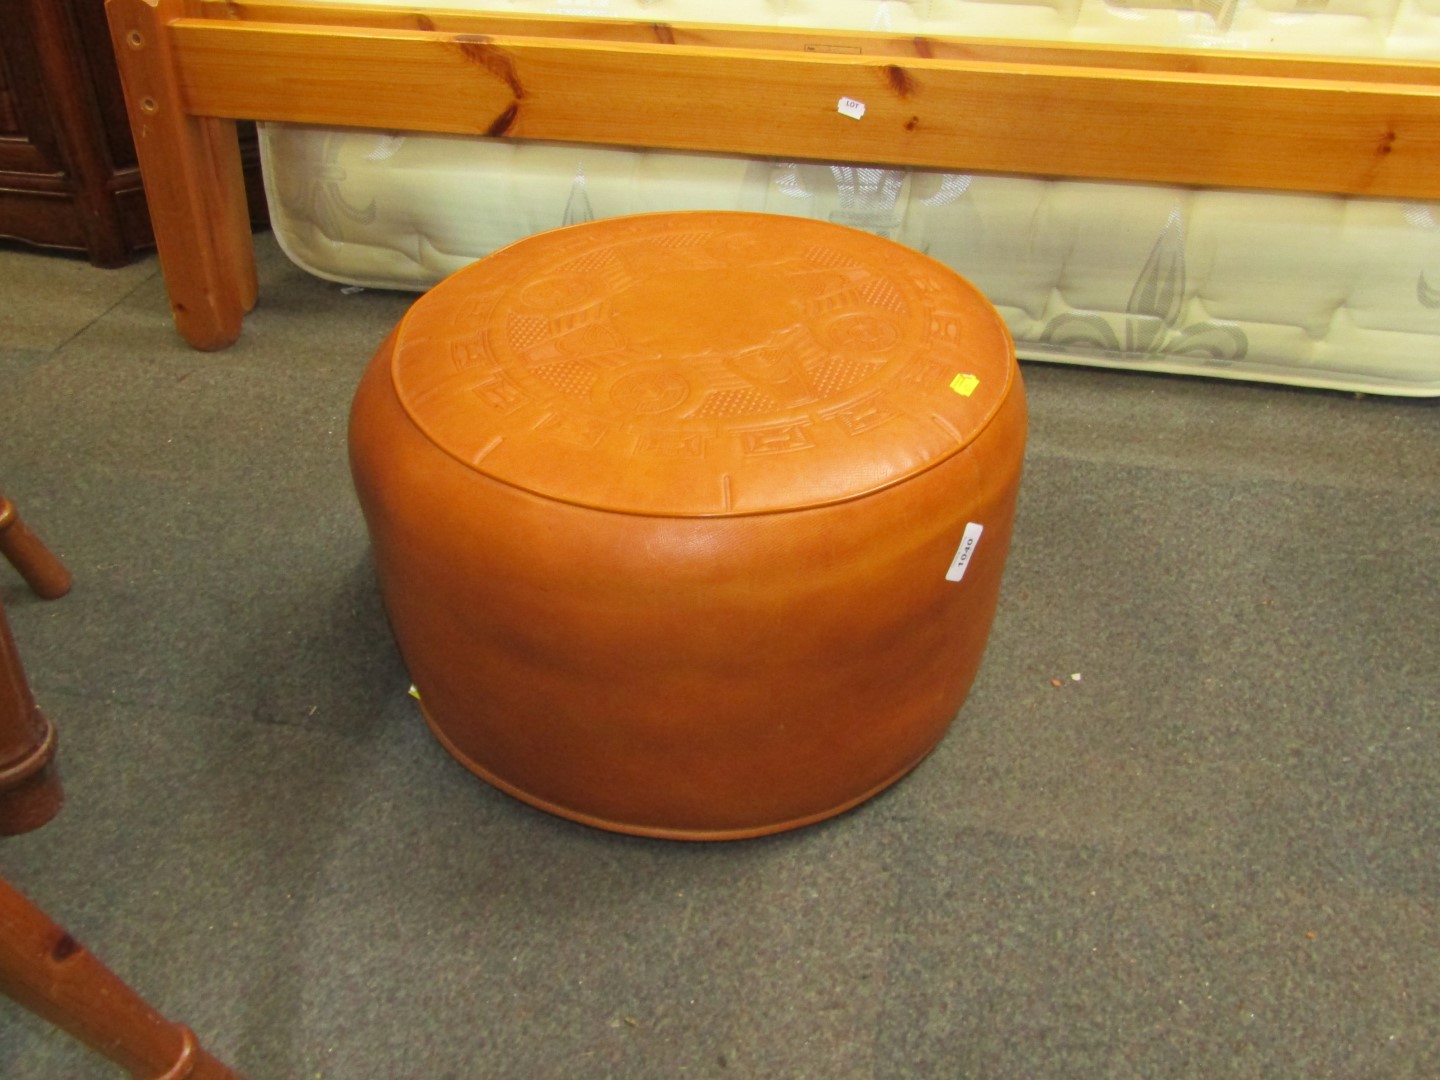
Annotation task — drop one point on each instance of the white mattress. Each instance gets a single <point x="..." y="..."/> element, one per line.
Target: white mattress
<point x="1312" y="290"/>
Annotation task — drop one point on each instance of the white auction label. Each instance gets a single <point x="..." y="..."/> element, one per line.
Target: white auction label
<point x="851" y="108"/>
<point x="968" y="543"/>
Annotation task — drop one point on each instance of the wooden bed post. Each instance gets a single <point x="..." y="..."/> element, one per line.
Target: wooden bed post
<point x="193" y="181"/>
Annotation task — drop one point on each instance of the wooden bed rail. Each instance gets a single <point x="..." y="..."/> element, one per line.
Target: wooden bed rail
<point x="1243" y="120"/>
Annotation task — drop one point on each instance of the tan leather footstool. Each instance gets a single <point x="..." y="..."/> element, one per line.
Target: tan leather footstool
<point x="692" y="525"/>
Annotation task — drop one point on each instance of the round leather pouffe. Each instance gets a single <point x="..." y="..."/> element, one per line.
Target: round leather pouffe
<point x="692" y="525"/>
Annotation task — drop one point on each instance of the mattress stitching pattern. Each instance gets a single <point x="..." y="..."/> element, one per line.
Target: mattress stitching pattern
<point x="1132" y="275"/>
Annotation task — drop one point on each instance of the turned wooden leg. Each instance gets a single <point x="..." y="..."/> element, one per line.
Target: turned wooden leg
<point x="30" y="793"/>
<point x="41" y="966"/>
<point x="51" y="974"/>
<point x="37" y="565"/>
<point x="193" y="181"/>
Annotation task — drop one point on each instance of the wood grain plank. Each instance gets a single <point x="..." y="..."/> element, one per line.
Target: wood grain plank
<point x="1245" y="64"/>
<point x="1252" y="131"/>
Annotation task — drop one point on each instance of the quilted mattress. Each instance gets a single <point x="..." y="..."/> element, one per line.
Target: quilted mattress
<point x="1311" y="290"/>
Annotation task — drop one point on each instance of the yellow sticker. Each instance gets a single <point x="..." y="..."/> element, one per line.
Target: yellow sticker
<point x="964" y="385"/>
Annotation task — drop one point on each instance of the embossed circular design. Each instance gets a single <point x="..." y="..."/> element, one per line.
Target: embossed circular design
<point x="862" y="332"/>
<point x="645" y="393"/>
<point x="701" y="363"/>
<point x="550" y="293"/>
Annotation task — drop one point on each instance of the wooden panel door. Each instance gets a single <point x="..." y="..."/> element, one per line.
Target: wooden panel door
<point x="68" y="173"/>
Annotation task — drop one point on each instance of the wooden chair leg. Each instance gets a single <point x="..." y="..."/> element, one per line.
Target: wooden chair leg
<point x="41" y="966"/>
<point x="51" y="974"/>
<point x="30" y="793"/>
<point x="37" y="564"/>
<point x="193" y="181"/>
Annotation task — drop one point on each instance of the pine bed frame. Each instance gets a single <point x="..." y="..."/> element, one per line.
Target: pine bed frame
<point x="1240" y="120"/>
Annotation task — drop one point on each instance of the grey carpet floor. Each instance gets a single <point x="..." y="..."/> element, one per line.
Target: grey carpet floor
<point x="1216" y="854"/>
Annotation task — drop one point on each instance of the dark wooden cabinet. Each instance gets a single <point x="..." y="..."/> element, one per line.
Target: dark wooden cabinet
<point x="68" y="175"/>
